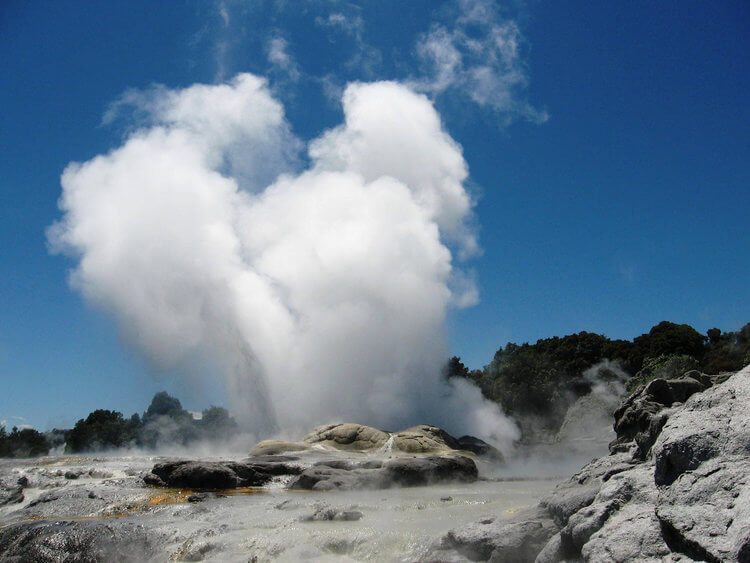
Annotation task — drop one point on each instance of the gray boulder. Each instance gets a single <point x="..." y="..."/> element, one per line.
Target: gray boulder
<point x="641" y="417"/>
<point x="479" y="447"/>
<point x="702" y="462"/>
<point x="515" y="540"/>
<point x="401" y="471"/>
<point x="419" y="471"/>
<point x="705" y="513"/>
<point x="620" y="524"/>
<point x="217" y="474"/>
<point x="325" y="478"/>
<point x="714" y="423"/>
<point x="675" y="488"/>
<point x="580" y="490"/>
<point x="196" y="475"/>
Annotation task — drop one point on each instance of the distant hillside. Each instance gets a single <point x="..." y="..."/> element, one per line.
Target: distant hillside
<point x="536" y="383"/>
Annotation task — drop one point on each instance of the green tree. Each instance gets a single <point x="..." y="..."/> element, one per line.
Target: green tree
<point x="455" y="368"/>
<point x="166" y="422"/>
<point x="4" y="445"/>
<point x="728" y="351"/>
<point x="668" y="338"/>
<point x="163" y="404"/>
<point x="100" y="430"/>
<point x="26" y="442"/>
<point x="217" y="424"/>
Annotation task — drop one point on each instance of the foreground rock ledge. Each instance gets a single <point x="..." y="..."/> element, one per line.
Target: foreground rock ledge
<point x="75" y="541"/>
<point x="676" y="487"/>
<point x="338" y="456"/>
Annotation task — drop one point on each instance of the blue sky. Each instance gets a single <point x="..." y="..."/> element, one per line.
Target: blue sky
<point x="611" y="179"/>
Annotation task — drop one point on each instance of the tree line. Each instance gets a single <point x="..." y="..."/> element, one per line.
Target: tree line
<point x="531" y="382"/>
<point x="165" y="422"/>
<point x="538" y="382"/>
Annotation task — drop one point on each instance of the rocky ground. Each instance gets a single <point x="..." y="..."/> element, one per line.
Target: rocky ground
<point x="345" y="491"/>
<point x="675" y="487"/>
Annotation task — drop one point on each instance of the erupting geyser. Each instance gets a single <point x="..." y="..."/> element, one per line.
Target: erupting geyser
<point x="320" y="293"/>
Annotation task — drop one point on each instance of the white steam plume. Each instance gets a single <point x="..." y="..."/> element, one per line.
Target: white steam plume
<point x="322" y="294"/>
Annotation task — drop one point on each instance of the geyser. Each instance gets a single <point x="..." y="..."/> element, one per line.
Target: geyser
<point x="320" y="293"/>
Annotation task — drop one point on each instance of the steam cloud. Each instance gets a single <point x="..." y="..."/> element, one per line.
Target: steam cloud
<point x="321" y="294"/>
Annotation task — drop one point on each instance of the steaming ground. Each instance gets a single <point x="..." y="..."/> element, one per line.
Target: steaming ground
<point x="266" y="524"/>
<point x="319" y="290"/>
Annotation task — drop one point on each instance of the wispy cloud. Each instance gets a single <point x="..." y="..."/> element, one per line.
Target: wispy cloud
<point x="224" y="13"/>
<point x="17" y="421"/>
<point x="474" y="50"/>
<point x="480" y="56"/>
<point x="280" y="59"/>
<point x="351" y="25"/>
<point x="365" y="58"/>
<point x="221" y="45"/>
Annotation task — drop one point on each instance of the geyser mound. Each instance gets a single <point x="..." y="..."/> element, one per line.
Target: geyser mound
<point x="343" y="456"/>
<point x="352" y="437"/>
